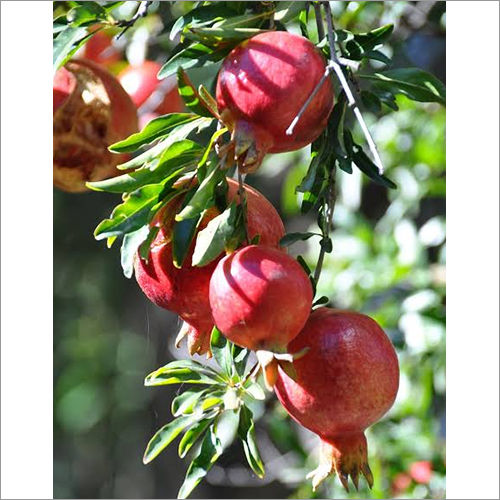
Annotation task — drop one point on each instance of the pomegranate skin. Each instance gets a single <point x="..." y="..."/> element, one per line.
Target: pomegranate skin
<point x="99" y="49"/>
<point x="91" y="111"/>
<point x="346" y="381"/>
<point x="186" y="290"/>
<point x="141" y="81"/>
<point x="261" y="87"/>
<point x="260" y="298"/>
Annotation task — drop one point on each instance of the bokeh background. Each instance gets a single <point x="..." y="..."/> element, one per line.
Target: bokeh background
<point x="388" y="262"/>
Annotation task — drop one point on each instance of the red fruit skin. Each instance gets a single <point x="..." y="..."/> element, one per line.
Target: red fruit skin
<point x="346" y="381"/>
<point x="84" y="130"/>
<point x="141" y="81"/>
<point x="421" y="472"/>
<point x="100" y="50"/>
<point x="400" y="483"/>
<point x="186" y="290"/>
<point x="260" y="298"/>
<point x="264" y="82"/>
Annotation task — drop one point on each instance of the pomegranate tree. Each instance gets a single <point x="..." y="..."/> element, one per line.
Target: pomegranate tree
<point x="91" y="112"/>
<point x="140" y="81"/>
<point x="345" y="382"/>
<point x="260" y="298"/>
<point x="185" y="290"/>
<point x="261" y="87"/>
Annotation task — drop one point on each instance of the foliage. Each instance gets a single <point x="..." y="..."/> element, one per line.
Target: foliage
<point x="383" y="266"/>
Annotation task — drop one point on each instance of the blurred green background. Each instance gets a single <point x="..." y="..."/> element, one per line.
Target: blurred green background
<point x="388" y="261"/>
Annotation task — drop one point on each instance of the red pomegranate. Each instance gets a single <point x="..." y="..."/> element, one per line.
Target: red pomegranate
<point x="261" y="87"/>
<point x="421" y="472"/>
<point x="91" y="111"/>
<point x="185" y="291"/>
<point x="260" y="298"/>
<point x="99" y="48"/>
<point x="141" y="81"/>
<point x="345" y="382"/>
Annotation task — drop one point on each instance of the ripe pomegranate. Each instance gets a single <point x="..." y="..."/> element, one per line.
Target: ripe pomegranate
<point x="91" y="111"/>
<point x="260" y="298"/>
<point x="261" y="87"/>
<point x="185" y="290"/>
<point x="141" y="81"/>
<point x="99" y="48"/>
<point x="344" y="383"/>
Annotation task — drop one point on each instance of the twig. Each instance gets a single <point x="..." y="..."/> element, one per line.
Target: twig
<point x="141" y="11"/>
<point x="345" y="85"/>
<point x="332" y="196"/>
<point x="243" y="203"/>
<point x="319" y="21"/>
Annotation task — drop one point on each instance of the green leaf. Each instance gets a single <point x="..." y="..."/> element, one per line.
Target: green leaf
<point x="291" y="238"/>
<point x="165" y="436"/>
<point x="159" y="127"/>
<point x="192" y="435"/>
<point x="364" y="42"/>
<point x="183" y="372"/>
<point x="130" y="215"/>
<point x="321" y="301"/>
<point x="288" y="11"/>
<point x="182" y="236"/>
<point x="413" y="83"/>
<point x="186" y="402"/>
<point x="208" y="100"/>
<point x="131" y="243"/>
<point x="203" y="197"/>
<point x="246" y="432"/>
<point x="213" y="239"/>
<point x="371" y="102"/>
<point x="67" y="42"/>
<point x="145" y="246"/>
<point x="240" y="357"/>
<point x="190" y="95"/>
<point x="88" y="12"/>
<point x="221" y="349"/>
<point x="176" y="158"/>
<point x="210" y="451"/>
<point x="376" y="55"/>
<point x="196" y="55"/>
<point x="256" y="391"/>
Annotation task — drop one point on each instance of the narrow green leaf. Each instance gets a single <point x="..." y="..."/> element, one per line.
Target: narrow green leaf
<point x="246" y="432"/>
<point x="287" y="11"/>
<point x="210" y="451"/>
<point x="413" y="83"/>
<point x="190" y="95"/>
<point x="186" y="402"/>
<point x="182" y="236"/>
<point x="159" y="127"/>
<point x="221" y="350"/>
<point x="145" y="246"/>
<point x="371" y="102"/>
<point x="191" y="436"/>
<point x="212" y="240"/>
<point x="291" y="238"/>
<point x="86" y="13"/>
<point x="67" y="42"/>
<point x="130" y="215"/>
<point x="208" y="100"/>
<point x="182" y="371"/>
<point x="165" y="436"/>
<point x="131" y="243"/>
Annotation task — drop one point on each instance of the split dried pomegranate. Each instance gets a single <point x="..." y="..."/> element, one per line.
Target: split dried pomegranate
<point x="261" y="87"/>
<point x="260" y="298"/>
<point x="91" y="112"/>
<point x="345" y="382"/>
<point x="186" y="291"/>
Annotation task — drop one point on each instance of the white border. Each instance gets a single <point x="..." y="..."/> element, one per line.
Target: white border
<point x="26" y="204"/>
<point x="473" y="251"/>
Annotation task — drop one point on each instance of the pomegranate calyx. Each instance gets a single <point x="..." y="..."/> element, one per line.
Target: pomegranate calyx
<point x="250" y="146"/>
<point x="198" y="341"/>
<point x="346" y="456"/>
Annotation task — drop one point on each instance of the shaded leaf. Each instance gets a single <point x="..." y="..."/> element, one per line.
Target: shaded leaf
<point x="185" y="402"/>
<point x="131" y="243"/>
<point x="182" y="236"/>
<point x="67" y="42"/>
<point x="191" y="436"/>
<point x="182" y="371"/>
<point x="210" y="451"/>
<point x="190" y="95"/>
<point x="221" y="350"/>
<point x="165" y="436"/>
<point x="246" y="432"/>
<point x="291" y="238"/>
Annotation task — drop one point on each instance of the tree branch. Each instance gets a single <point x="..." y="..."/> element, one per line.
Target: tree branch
<point x="141" y="11"/>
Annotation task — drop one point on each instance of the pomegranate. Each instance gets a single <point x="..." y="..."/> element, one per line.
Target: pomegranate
<point x="344" y="383"/>
<point x="99" y="48"/>
<point x="260" y="298"/>
<point x="141" y="81"/>
<point x="261" y="87"/>
<point x="91" y="111"/>
<point x="185" y="290"/>
<point x="421" y="472"/>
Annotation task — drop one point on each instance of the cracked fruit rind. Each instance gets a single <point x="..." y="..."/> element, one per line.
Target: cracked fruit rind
<point x="345" y="382"/>
<point x="91" y="112"/>
<point x="261" y="87"/>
